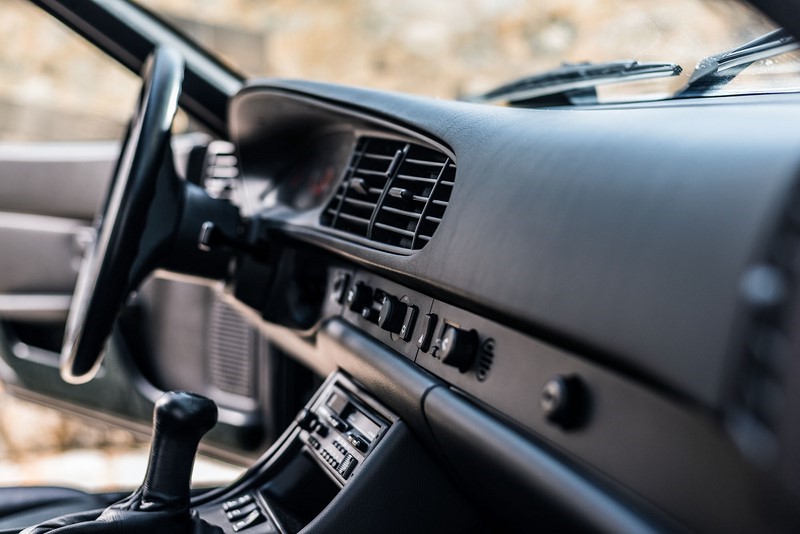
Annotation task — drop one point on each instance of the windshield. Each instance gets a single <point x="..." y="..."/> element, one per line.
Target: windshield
<point x="457" y="48"/>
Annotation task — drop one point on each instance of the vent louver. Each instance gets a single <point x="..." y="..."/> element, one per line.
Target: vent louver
<point x="394" y="193"/>
<point x="485" y="360"/>
<point x="221" y="169"/>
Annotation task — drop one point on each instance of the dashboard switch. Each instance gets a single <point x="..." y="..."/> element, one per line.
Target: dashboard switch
<point x="425" y="337"/>
<point x="253" y="518"/>
<point x="337" y="423"/>
<point x="392" y="314"/>
<point x="346" y="467"/>
<point x="407" y="330"/>
<point x="370" y="315"/>
<point x="306" y="420"/>
<point x="238" y="513"/>
<point x="359" y="297"/>
<point x="358" y="442"/>
<point x="339" y="287"/>
<point x="237" y="502"/>
<point x="457" y="347"/>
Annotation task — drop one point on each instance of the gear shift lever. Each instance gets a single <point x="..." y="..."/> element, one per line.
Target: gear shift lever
<point x="180" y="420"/>
<point x="161" y="504"/>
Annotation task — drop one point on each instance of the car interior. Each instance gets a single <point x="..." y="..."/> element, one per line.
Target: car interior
<point x="408" y="314"/>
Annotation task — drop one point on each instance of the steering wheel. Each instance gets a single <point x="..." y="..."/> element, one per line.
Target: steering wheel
<point x="111" y="266"/>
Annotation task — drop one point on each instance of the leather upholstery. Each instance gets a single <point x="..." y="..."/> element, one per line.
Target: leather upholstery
<point x="24" y="506"/>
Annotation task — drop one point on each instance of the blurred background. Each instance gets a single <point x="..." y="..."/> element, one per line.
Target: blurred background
<point x="56" y="87"/>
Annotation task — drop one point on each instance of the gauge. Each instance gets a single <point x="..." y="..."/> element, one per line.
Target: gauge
<point x="315" y="173"/>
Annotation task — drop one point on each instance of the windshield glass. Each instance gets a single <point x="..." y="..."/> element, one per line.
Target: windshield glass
<point x="457" y="48"/>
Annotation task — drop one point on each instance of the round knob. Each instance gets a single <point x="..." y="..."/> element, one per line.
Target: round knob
<point x="563" y="401"/>
<point x="307" y="419"/>
<point x="391" y="314"/>
<point x="457" y="347"/>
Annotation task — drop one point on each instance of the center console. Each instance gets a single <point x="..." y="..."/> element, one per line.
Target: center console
<point x="326" y="450"/>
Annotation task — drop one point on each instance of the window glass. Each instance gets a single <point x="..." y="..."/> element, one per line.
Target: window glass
<point x="456" y="48"/>
<point x="56" y="86"/>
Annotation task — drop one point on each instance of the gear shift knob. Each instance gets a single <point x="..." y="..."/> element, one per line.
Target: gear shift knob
<point x="180" y="420"/>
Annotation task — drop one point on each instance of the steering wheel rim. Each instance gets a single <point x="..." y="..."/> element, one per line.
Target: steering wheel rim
<point x="106" y="275"/>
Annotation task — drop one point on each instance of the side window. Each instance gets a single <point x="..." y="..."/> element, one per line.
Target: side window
<point x="55" y="86"/>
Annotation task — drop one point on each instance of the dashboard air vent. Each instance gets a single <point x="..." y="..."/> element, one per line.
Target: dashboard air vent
<point x="221" y="169"/>
<point x="394" y="193"/>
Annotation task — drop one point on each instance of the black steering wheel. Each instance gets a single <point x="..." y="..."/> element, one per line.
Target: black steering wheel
<point x="111" y="266"/>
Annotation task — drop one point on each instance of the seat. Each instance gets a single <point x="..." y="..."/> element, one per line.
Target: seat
<point x="23" y="506"/>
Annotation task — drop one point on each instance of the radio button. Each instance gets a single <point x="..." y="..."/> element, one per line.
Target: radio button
<point x="252" y="518"/>
<point x="337" y="423"/>
<point x="358" y="443"/>
<point x="238" y="502"/>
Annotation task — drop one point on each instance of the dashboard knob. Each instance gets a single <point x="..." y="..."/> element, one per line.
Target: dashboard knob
<point x="306" y="419"/>
<point x="359" y="297"/>
<point x="391" y="314"/>
<point x="457" y="347"/>
<point x="564" y="400"/>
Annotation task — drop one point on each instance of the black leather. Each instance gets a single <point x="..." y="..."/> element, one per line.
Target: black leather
<point x="129" y="516"/>
<point x="161" y="504"/>
<point x="24" y="506"/>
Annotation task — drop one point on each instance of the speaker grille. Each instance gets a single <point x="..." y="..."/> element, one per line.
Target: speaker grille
<point x="232" y="351"/>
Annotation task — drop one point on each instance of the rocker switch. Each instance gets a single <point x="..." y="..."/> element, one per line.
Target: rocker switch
<point x="426" y="334"/>
<point x="407" y="330"/>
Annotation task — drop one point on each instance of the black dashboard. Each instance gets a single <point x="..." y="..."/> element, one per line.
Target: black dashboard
<point x="599" y="283"/>
<point x="438" y="316"/>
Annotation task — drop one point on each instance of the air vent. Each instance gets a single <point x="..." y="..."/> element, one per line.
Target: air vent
<point x="394" y="193"/>
<point x="221" y="169"/>
<point x="485" y="360"/>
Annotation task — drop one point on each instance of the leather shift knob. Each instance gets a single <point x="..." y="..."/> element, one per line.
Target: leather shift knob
<point x="180" y="420"/>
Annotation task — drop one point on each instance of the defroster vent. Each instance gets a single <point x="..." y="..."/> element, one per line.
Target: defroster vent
<point x="394" y="193"/>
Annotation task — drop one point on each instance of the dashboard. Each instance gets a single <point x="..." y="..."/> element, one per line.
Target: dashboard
<point x="593" y="285"/>
<point x="485" y="318"/>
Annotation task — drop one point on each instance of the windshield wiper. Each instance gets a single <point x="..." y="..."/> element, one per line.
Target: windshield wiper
<point x="574" y="82"/>
<point x="715" y="71"/>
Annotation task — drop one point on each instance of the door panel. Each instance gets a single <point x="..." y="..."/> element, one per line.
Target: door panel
<point x="51" y="186"/>
<point x="49" y="193"/>
<point x="65" y="180"/>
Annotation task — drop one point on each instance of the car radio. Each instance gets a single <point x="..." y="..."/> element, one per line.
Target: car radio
<point x="340" y="429"/>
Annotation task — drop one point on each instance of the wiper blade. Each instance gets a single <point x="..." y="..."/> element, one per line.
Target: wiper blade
<point x="575" y="80"/>
<point x="715" y="71"/>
